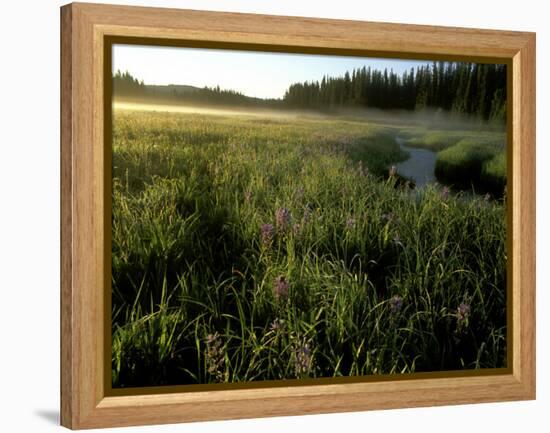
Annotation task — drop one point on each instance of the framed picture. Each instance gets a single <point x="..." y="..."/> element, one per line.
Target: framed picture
<point x="266" y="215"/>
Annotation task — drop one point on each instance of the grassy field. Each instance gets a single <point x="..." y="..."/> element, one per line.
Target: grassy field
<point x="248" y="248"/>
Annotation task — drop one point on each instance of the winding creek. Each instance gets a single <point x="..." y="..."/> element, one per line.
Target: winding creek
<point x="419" y="167"/>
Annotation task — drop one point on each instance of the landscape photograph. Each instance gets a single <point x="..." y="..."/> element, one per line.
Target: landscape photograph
<point x="288" y="217"/>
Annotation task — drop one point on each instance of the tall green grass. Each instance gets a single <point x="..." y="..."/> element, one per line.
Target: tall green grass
<point x="447" y="134"/>
<point x="433" y="140"/>
<point x="254" y="249"/>
<point x="493" y="173"/>
<point x="474" y="163"/>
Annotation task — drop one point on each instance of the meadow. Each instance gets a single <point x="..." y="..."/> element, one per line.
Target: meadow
<point x="250" y="248"/>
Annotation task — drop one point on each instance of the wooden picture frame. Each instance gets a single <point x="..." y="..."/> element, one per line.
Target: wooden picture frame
<point x="86" y="401"/>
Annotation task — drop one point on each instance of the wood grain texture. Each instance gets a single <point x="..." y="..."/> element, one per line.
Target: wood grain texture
<point x="524" y="214"/>
<point x="67" y="394"/>
<point x="84" y="399"/>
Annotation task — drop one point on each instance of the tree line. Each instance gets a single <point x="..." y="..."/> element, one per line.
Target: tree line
<point x="465" y="88"/>
<point x="125" y="85"/>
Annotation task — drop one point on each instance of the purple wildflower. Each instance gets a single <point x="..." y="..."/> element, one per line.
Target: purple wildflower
<point x="302" y="358"/>
<point x="462" y="314"/>
<point x="267" y="233"/>
<point x="396" y="302"/>
<point x="350" y="223"/>
<point x="300" y="192"/>
<point x="277" y="325"/>
<point x="445" y="192"/>
<point x="280" y="288"/>
<point x="214" y="355"/>
<point x="397" y="240"/>
<point x="487" y="197"/>
<point x="307" y="215"/>
<point x="282" y="219"/>
<point x="389" y="218"/>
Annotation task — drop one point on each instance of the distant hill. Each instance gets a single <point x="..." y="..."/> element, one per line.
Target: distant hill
<point x="212" y="94"/>
<point x="170" y="89"/>
<point x="126" y="87"/>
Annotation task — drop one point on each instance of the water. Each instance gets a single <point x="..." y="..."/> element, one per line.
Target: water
<point x="419" y="167"/>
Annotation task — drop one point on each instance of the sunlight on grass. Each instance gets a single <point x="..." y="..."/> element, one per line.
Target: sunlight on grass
<point x="256" y="248"/>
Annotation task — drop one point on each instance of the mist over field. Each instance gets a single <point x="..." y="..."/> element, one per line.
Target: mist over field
<point x="330" y="232"/>
<point x="430" y="118"/>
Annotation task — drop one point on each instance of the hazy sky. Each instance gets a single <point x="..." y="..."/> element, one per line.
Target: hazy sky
<point x="264" y="75"/>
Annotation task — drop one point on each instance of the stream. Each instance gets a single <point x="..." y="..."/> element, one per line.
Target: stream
<point x="419" y="167"/>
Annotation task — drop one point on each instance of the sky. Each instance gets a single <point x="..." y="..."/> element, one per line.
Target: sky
<point x="258" y="74"/>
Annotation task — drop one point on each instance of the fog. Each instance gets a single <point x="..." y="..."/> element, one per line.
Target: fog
<point x="211" y="110"/>
<point x="428" y="118"/>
